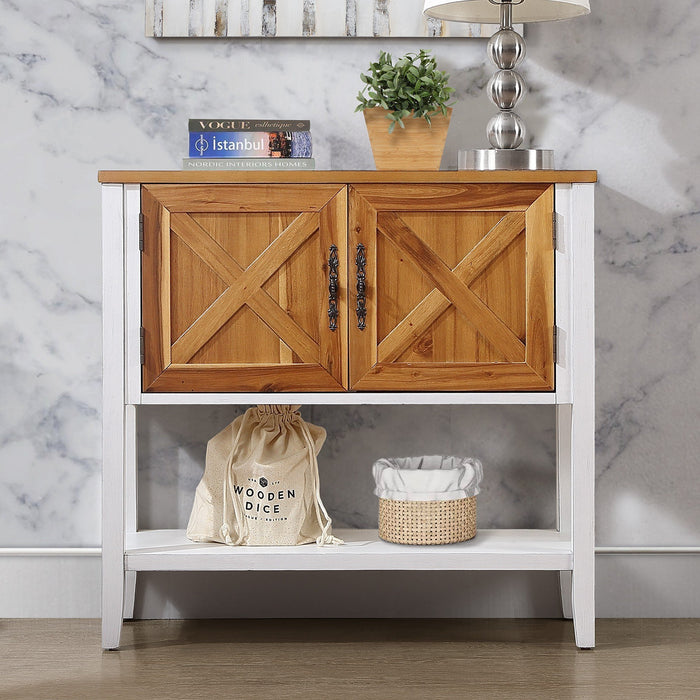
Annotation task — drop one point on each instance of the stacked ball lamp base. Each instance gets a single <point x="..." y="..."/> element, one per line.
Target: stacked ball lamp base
<point x="506" y="130"/>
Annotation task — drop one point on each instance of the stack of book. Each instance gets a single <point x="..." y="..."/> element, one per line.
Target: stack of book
<point x="249" y="144"/>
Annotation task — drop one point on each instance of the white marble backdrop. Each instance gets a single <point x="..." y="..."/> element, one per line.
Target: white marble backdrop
<point x="82" y="89"/>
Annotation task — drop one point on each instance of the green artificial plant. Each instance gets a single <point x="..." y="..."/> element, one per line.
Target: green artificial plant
<point x="412" y="85"/>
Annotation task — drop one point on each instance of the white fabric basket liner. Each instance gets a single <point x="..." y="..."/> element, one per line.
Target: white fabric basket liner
<point x="431" y="478"/>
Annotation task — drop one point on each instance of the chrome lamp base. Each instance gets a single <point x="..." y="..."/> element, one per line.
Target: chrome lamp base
<point x="506" y="130"/>
<point x="505" y="159"/>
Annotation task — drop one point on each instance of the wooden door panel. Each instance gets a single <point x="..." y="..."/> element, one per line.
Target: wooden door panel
<point x="459" y="299"/>
<point x="246" y="337"/>
<point x="235" y="288"/>
<point x="440" y="197"/>
<point x="452" y="337"/>
<point x="450" y="287"/>
<point x="291" y="285"/>
<point x="188" y="304"/>
<point x="244" y="236"/>
<point x="263" y="199"/>
<point x="235" y="377"/>
<point x="509" y="376"/>
<point x="507" y="271"/>
<point x="540" y="288"/>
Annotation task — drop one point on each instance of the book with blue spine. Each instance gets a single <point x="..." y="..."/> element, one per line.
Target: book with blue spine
<point x="250" y="144"/>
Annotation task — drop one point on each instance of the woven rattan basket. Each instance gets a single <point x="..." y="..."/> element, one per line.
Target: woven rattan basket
<point x="427" y="522"/>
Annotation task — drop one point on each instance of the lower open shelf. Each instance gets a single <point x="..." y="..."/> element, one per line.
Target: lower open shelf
<point x="490" y="550"/>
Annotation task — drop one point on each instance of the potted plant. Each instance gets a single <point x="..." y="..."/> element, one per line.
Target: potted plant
<point x="413" y="94"/>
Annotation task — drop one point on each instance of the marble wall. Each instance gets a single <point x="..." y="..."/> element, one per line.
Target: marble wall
<point x="82" y="89"/>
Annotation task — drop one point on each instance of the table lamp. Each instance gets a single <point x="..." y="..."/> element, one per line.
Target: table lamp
<point x="506" y="88"/>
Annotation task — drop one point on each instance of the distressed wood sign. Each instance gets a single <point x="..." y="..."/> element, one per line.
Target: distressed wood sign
<point x="300" y="18"/>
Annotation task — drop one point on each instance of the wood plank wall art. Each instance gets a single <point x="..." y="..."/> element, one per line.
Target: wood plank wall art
<point x="300" y="18"/>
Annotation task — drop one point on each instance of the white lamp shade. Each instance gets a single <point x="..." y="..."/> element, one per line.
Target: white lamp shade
<point x="485" y="12"/>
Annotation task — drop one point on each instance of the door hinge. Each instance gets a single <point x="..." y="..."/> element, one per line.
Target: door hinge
<point x="142" y="345"/>
<point x="555" y="344"/>
<point x="141" y="232"/>
<point x="555" y="230"/>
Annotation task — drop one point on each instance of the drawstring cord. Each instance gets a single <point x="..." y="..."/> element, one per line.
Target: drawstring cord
<point x="325" y="538"/>
<point x="241" y="524"/>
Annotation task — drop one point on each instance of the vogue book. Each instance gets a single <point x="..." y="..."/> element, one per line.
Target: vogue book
<point x="249" y="125"/>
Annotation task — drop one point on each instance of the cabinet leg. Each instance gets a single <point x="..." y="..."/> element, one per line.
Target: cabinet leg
<point x="112" y="607"/>
<point x="565" y="594"/>
<point x="583" y="607"/>
<point x="129" y="594"/>
<point x="583" y="524"/>
<point x="131" y="478"/>
<point x="113" y="579"/>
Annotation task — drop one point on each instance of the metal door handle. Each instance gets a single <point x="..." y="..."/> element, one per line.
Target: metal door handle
<point x="333" y="288"/>
<point x="361" y="307"/>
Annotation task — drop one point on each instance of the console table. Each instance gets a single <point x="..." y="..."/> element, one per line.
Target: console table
<point x="347" y="287"/>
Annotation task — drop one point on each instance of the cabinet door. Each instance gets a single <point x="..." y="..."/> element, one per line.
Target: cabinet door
<point x="459" y="287"/>
<point x="236" y="287"/>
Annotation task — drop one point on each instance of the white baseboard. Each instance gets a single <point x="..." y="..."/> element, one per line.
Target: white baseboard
<point x="648" y="585"/>
<point x="630" y="582"/>
<point x="50" y="584"/>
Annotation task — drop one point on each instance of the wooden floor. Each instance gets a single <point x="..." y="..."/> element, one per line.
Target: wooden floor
<point x="357" y="659"/>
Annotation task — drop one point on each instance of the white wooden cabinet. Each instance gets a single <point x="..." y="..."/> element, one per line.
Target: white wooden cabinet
<point x="569" y="549"/>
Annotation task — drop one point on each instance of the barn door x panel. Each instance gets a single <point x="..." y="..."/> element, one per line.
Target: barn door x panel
<point x="457" y="287"/>
<point x="235" y="288"/>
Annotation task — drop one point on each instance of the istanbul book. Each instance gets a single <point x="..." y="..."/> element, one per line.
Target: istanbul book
<point x="250" y="144"/>
<point x="248" y="164"/>
<point x="249" y="125"/>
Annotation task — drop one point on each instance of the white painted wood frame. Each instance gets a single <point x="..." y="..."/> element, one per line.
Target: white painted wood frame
<point x="569" y="549"/>
<point x="113" y="414"/>
<point x="582" y="349"/>
<point x="132" y="344"/>
<point x="562" y="266"/>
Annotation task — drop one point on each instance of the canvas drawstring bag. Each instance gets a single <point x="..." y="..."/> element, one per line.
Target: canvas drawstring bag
<point x="261" y="483"/>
